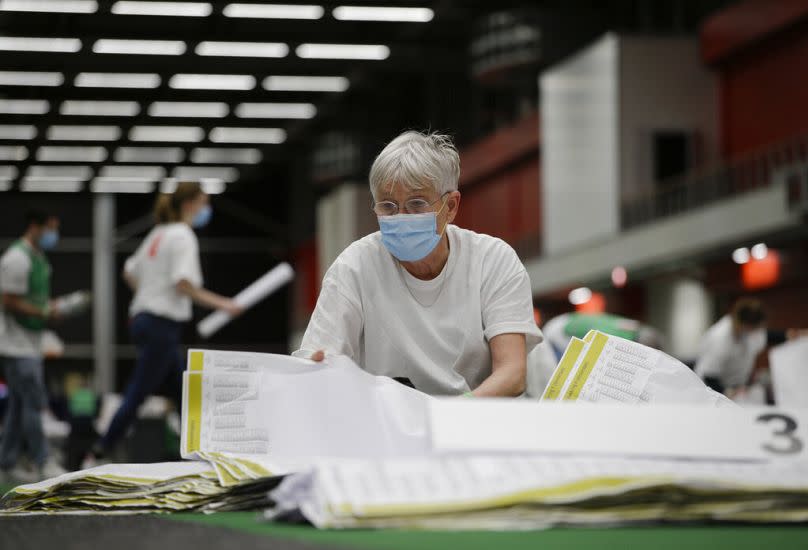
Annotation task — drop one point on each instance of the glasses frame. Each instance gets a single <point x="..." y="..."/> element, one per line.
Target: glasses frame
<point x="398" y="208"/>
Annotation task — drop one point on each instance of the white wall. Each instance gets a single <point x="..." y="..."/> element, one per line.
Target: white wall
<point x="579" y="140"/>
<point x="663" y="86"/>
<point x="343" y="216"/>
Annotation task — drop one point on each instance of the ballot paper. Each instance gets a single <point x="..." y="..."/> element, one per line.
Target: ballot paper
<point x="606" y="368"/>
<point x="789" y="367"/>
<point x="519" y="491"/>
<point x="285" y="407"/>
<point x="268" y="283"/>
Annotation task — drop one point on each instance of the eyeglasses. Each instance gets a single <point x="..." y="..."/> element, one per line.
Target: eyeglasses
<point x="412" y="206"/>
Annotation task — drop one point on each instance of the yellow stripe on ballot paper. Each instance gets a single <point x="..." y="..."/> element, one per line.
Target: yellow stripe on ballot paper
<point x="194" y="420"/>
<point x="587" y="364"/>
<point x="196" y="361"/>
<point x="563" y="371"/>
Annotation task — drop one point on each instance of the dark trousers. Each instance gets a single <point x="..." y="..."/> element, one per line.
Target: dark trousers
<point x="159" y="361"/>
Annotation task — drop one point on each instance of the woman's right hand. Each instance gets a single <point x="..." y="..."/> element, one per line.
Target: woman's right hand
<point x="232" y="308"/>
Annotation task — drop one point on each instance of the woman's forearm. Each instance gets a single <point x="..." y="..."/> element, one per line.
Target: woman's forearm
<point x="203" y="296"/>
<point x="505" y="381"/>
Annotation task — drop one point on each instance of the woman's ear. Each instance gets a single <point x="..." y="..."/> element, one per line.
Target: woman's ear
<point x="452" y="205"/>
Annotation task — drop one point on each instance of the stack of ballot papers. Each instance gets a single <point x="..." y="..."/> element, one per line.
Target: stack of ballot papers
<point x="515" y="491"/>
<point x="605" y="368"/>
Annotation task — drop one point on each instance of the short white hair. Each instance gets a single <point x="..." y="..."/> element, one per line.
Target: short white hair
<point x="417" y="160"/>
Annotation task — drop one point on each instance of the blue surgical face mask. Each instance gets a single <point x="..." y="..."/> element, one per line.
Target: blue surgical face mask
<point x="202" y="218"/>
<point x="48" y="239"/>
<point x="410" y="237"/>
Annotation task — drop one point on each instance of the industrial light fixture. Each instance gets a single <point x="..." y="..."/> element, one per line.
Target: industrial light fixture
<point x="167" y="133"/>
<point x="208" y="155"/>
<point x="619" y="276"/>
<point x="306" y="83"/>
<point x="276" y="110"/>
<point x="213" y="186"/>
<point x="99" y="108"/>
<point x="84" y="133"/>
<point x="579" y="296"/>
<point x="760" y="251"/>
<point x="199" y="109"/>
<point x="55" y="172"/>
<point x="247" y="135"/>
<point x="343" y="51"/>
<point x="13" y="152"/>
<point x="212" y="82"/>
<point x="114" y="185"/>
<point x="226" y="173"/>
<point x="382" y="13"/>
<point x="139" y="47"/>
<point x="242" y="49"/>
<point x="117" y="80"/>
<point x="51" y="186"/>
<point x="8" y="172"/>
<point x="274" y="11"/>
<point x="17" y="131"/>
<point x="38" y="44"/>
<point x="177" y="9"/>
<point x="50" y="6"/>
<point x="149" y="173"/>
<point x="30" y="78"/>
<point x="740" y="255"/>
<point x="24" y="106"/>
<point x="5" y="185"/>
<point x="149" y="154"/>
<point x="58" y="153"/>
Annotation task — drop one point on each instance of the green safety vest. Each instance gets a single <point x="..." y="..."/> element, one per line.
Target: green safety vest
<point x="579" y="324"/>
<point x="38" y="286"/>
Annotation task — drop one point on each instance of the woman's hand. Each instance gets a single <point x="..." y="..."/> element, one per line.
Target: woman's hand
<point x="231" y="308"/>
<point x="318" y="356"/>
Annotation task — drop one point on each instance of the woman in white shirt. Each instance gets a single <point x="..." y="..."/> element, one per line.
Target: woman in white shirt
<point x="166" y="277"/>
<point x="446" y="308"/>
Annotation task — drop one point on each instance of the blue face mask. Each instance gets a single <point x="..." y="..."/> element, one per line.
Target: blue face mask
<point x="410" y="237"/>
<point x="202" y="217"/>
<point x="48" y="239"/>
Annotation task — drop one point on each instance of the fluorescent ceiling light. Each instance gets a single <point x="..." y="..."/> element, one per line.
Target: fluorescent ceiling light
<point x="760" y="251"/>
<point x="36" y="44"/>
<point x="84" y="133"/>
<point x="248" y="135"/>
<point x="212" y="82"/>
<point x="208" y="155"/>
<point x="139" y="47"/>
<point x="211" y="186"/>
<point x="372" y="13"/>
<point x="274" y="11"/>
<point x="183" y="9"/>
<point x="50" y="186"/>
<point x="226" y="173"/>
<point x="24" y="106"/>
<point x="117" y="80"/>
<point x="276" y="110"/>
<point x="30" y="78"/>
<point x="51" y="172"/>
<point x="13" y="152"/>
<point x="343" y="51"/>
<point x="5" y="185"/>
<point x="580" y="296"/>
<point x="188" y="109"/>
<point x="8" y="172"/>
<point x="17" y="131"/>
<point x="51" y="153"/>
<point x="306" y="83"/>
<point x="50" y="6"/>
<point x="166" y="133"/>
<point x="99" y="108"/>
<point x="149" y="154"/>
<point x="105" y="185"/>
<point x="740" y="255"/>
<point x="242" y="49"/>
<point x="149" y="173"/>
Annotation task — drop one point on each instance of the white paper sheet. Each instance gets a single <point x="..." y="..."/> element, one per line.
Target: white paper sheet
<point x="789" y="366"/>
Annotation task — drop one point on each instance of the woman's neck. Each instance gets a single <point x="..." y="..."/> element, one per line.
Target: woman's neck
<point x="431" y="266"/>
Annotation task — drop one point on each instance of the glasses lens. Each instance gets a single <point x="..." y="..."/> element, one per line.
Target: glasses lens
<point x="385" y="208"/>
<point x="417" y="206"/>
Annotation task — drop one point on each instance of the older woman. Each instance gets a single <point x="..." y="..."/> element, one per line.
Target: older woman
<point x="447" y="308"/>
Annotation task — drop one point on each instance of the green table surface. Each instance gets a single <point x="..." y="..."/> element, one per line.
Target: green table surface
<point x="714" y="537"/>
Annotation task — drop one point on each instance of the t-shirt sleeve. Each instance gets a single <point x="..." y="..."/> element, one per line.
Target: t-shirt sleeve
<point x="15" y="269"/>
<point x="506" y="297"/>
<point x="134" y="263"/>
<point x="337" y="322"/>
<point x="184" y="259"/>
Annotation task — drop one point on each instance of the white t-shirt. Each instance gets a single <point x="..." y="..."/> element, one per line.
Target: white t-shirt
<point x="168" y="254"/>
<point x="727" y="358"/>
<point x="16" y="340"/>
<point x="433" y="332"/>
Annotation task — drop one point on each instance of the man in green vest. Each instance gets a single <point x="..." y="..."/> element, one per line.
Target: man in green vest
<point x="25" y="309"/>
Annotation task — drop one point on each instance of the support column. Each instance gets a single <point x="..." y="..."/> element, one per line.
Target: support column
<point x="104" y="291"/>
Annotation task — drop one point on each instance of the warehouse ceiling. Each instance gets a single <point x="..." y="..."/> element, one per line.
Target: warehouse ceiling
<point x="128" y="96"/>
